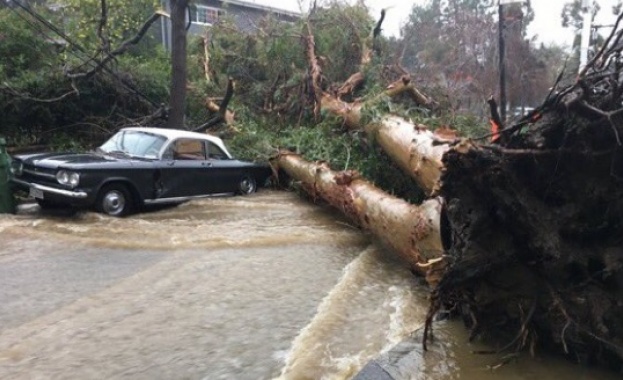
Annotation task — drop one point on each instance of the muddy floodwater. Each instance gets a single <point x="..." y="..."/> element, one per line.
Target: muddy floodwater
<point x="261" y="287"/>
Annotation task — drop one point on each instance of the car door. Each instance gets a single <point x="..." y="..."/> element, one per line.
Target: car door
<point x="223" y="175"/>
<point x="183" y="169"/>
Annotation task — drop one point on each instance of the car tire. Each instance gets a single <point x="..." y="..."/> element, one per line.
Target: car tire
<point x="247" y="185"/>
<point x="114" y="200"/>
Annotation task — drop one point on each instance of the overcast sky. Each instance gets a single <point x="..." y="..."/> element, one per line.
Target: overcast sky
<point x="546" y="24"/>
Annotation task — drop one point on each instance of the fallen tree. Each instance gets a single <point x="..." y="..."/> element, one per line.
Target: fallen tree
<point x="412" y="231"/>
<point x="533" y="225"/>
<point x="413" y="147"/>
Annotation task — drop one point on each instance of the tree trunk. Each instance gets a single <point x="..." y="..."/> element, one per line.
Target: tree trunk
<point x="177" y="106"/>
<point x="412" y="231"/>
<point x="414" y="148"/>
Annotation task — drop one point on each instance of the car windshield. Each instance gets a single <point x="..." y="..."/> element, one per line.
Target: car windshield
<point x="134" y="144"/>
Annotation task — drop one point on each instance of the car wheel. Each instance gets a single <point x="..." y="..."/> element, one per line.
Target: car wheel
<point x="247" y="185"/>
<point x="114" y="200"/>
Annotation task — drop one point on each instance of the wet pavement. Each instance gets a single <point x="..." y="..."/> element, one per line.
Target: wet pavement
<point x="261" y="287"/>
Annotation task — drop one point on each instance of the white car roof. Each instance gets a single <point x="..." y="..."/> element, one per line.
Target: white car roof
<point x="172" y="134"/>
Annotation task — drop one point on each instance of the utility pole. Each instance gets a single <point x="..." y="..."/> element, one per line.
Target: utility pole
<point x="586" y="33"/>
<point x="502" y="62"/>
<point x="177" y="102"/>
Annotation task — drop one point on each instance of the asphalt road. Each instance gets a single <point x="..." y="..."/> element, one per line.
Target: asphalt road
<point x="215" y="289"/>
<point x="40" y="277"/>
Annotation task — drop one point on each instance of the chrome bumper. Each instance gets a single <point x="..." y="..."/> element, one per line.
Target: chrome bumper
<point x="48" y="189"/>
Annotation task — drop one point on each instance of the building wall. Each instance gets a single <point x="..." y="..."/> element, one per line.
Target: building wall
<point x="246" y="17"/>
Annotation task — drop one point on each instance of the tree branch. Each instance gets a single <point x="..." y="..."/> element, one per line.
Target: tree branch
<point x="314" y="71"/>
<point x="222" y="113"/>
<point x="404" y="85"/>
<point x="105" y="47"/>
<point x="121" y="49"/>
<point x="10" y="90"/>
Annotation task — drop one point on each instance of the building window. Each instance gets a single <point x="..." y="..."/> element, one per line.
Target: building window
<point x="205" y="15"/>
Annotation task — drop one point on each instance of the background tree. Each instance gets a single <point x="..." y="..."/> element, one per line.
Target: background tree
<point x="82" y="20"/>
<point x="34" y="59"/>
<point x="100" y="25"/>
<point x="453" y="44"/>
<point x="572" y="16"/>
<point x="528" y="78"/>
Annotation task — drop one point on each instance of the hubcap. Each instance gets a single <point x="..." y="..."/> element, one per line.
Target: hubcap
<point x="113" y="203"/>
<point x="246" y="186"/>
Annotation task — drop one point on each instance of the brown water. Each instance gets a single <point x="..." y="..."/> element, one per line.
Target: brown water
<point x="260" y="287"/>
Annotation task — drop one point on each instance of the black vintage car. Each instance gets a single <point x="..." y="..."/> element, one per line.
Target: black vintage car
<point x="135" y="167"/>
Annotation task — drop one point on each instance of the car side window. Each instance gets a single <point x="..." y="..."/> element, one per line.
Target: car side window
<point x="187" y="149"/>
<point x="168" y="153"/>
<point x="216" y="153"/>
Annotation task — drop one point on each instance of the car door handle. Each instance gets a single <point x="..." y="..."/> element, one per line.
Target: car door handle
<point x="208" y="164"/>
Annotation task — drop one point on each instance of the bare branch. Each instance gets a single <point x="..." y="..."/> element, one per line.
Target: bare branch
<point x="405" y="86"/>
<point x="377" y="28"/>
<point x="222" y="113"/>
<point x="314" y="71"/>
<point x="10" y="90"/>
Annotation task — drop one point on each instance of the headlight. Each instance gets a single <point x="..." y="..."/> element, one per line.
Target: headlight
<point x="62" y="177"/>
<point x="74" y="179"/>
<point x="16" y="168"/>
<point x="68" y="178"/>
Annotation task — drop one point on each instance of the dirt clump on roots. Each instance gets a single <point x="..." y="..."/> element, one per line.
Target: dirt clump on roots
<point x="533" y="223"/>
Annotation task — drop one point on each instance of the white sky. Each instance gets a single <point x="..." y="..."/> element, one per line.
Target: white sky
<point x="546" y="24"/>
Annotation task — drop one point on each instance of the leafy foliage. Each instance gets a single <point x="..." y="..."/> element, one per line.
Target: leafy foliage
<point x="22" y="50"/>
<point x="81" y="18"/>
<point x="453" y="45"/>
<point x="269" y="65"/>
<point x="31" y="77"/>
<point x="261" y="139"/>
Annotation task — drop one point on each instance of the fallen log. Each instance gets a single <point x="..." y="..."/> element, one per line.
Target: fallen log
<point x="415" y="149"/>
<point x="412" y="231"/>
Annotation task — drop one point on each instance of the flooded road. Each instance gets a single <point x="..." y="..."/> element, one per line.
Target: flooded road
<point x="260" y="287"/>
